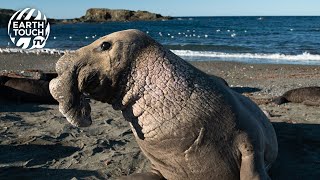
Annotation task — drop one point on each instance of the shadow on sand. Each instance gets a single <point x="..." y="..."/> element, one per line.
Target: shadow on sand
<point x="299" y="152"/>
<point x="7" y="106"/>
<point x="242" y="90"/>
<point x="45" y="173"/>
<point x="34" y="153"/>
<point x="29" y="162"/>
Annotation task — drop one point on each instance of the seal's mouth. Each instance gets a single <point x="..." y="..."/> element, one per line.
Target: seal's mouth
<point x="80" y="116"/>
<point x="72" y="103"/>
<point x="98" y="89"/>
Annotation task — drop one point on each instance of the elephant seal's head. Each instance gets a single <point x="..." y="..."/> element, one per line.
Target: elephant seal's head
<point x="98" y="70"/>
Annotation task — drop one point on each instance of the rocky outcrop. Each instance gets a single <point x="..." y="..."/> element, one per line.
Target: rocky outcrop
<point x="95" y="15"/>
<point x="5" y="15"/>
<point x="102" y="15"/>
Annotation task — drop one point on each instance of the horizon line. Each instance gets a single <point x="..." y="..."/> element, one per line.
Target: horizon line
<point x="184" y="16"/>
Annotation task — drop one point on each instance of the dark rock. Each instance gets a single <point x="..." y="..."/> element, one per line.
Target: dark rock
<point x="105" y="15"/>
<point x="95" y="15"/>
<point x="5" y="15"/>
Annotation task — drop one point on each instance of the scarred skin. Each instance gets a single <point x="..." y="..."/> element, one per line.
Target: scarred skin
<point x="188" y="124"/>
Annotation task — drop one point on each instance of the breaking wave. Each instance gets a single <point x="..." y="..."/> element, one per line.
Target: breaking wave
<point x="276" y="58"/>
<point x="35" y="51"/>
<point x="304" y="58"/>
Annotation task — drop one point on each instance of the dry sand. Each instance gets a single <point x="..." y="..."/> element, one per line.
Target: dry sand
<point x="36" y="142"/>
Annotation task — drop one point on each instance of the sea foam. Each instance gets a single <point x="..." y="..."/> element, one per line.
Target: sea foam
<point x="304" y="58"/>
<point x="35" y="51"/>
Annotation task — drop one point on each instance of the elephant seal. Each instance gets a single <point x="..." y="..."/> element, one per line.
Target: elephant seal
<point x="188" y="124"/>
<point x="306" y="95"/>
<point x="25" y="90"/>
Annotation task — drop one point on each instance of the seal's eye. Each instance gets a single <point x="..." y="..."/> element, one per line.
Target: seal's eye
<point x="105" y="46"/>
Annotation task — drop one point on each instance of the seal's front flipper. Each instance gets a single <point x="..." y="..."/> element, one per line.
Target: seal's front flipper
<point x="253" y="167"/>
<point x="311" y="103"/>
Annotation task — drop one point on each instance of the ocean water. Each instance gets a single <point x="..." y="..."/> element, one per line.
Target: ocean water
<point x="288" y="40"/>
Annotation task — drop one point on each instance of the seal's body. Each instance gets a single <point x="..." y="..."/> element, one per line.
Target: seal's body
<point x="25" y="90"/>
<point x="306" y="95"/>
<point x="190" y="125"/>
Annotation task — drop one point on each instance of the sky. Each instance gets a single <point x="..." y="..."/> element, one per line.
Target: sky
<point x="64" y="9"/>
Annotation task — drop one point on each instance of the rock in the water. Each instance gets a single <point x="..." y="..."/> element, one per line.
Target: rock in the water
<point x="103" y="15"/>
<point x="95" y="15"/>
<point x="5" y="15"/>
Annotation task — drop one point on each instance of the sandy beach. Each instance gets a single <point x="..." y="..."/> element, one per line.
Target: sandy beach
<point x="36" y="141"/>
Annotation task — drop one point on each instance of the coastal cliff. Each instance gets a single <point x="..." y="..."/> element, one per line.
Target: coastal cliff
<point x="5" y="15"/>
<point x="95" y="15"/>
<point x="104" y="15"/>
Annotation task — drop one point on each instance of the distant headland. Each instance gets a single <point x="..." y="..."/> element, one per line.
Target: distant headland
<point x="5" y="15"/>
<point x="105" y="15"/>
<point x="94" y="15"/>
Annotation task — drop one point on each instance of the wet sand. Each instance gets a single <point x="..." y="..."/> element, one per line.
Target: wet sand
<point x="36" y="142"/>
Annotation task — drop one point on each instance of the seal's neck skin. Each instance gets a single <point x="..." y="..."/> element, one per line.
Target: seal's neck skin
<point x="160" y="89"/>
<point x="152" y="73"/>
